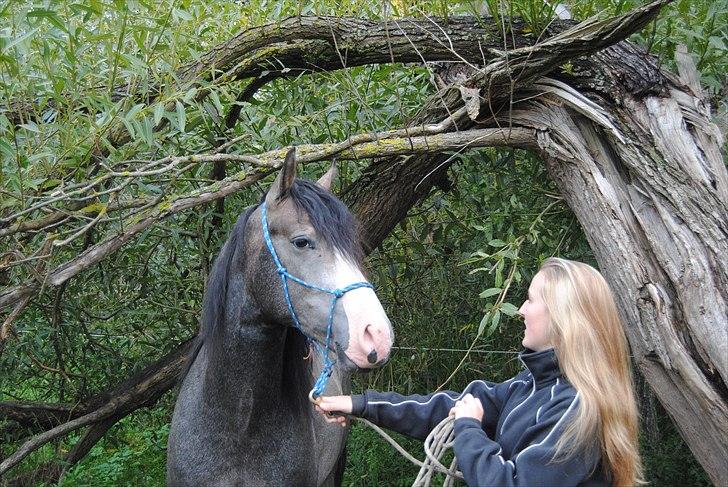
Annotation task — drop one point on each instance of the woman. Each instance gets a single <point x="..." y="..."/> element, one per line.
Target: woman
<point x="569" y="418"/>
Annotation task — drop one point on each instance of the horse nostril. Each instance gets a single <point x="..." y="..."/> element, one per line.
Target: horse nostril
<point x="372" y="357"/>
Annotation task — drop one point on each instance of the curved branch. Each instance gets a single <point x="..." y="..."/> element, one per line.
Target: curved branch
<point x="250" y="90"/>
<point x="381" y="145"/>
<point x="100" y="251"/>
<point x="310" y="43"/>
<point x="31" y="414"/>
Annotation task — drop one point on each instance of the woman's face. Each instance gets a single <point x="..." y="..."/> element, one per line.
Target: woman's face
<point x="536" y="317"/>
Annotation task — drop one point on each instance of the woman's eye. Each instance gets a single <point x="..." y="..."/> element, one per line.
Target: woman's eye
<point x="302" y="242"/>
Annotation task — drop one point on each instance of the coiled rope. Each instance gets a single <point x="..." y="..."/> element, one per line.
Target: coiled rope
<point x="440" y="439"/>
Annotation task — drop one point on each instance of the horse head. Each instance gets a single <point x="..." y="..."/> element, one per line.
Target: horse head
<point x="314" y="240"/>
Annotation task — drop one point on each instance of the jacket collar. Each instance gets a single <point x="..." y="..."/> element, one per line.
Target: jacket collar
<point x="543" y="366"/>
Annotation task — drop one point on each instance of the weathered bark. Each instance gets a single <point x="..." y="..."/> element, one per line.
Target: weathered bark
<point x="38" y="415"/>
<point x="404" y="180"/>
<point x="311" y="44"/>
<point x="645" y="178"/>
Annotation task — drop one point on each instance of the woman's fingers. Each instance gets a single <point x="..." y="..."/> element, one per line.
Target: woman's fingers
<point x="468" y="406"/>
<point x="333" y="408"/>
<point x="341" y="404"/>
<point x="331" y="417"/>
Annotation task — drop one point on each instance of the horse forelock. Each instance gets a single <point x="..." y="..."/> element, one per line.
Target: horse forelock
<point x="330" y="218"/>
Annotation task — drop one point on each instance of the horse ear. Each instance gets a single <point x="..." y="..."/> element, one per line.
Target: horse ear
<point x="328" y="179"/>
<point x="285" y="178"/>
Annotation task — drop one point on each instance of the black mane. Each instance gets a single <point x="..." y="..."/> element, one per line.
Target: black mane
<point x="215" y="297"/>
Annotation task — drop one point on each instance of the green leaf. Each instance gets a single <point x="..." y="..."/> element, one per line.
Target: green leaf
<point x="181" y="14"/>
<point x="135" y="62"/>
<point x="216" y="101"/>
<point x="158" y="113"/>
<point x="38" y="156"/>
<point x="90" y="8"/>
<point x="30" y="126"/>
<point x="189" y="95"/>
<point x="6" y="149"/>
<point x="517" y="276"/>
<point x="510" y="254"/>
<point x="146" y="130"/>
<point x="497" y="243"/>
<point x="490" y="292"/>
<point x="50" y="183"/>
<point x="133" y="111"/>
<point x="483" y="323"/>
<point x="50" y="15"/>
<point x="130" y="127"/>
<point x="717" y="43"/>
<point x="181" y="116"/>
<point x="20" y="39"/>
<point x="495" y="320"/>
<point x="509" y="309"/>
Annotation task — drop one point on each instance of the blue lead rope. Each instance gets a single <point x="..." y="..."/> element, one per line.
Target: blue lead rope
<point x="328" y="367"/>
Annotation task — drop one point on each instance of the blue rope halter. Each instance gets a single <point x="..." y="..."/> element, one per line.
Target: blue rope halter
<point x="323" y="378"/>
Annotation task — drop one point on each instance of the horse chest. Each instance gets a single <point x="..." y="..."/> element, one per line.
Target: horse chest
<point x="241" y="441"/>
<point x="278" y="448"/>
<point x="267" y="453"/>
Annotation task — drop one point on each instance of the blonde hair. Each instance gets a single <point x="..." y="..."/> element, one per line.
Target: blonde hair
<point x="591" y="348"/>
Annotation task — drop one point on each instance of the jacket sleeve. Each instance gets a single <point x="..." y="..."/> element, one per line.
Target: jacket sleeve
<point x="481" y="461"/>
<point x="417" y="415"/>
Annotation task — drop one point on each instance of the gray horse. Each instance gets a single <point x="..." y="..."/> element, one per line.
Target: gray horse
<point x="242" y="416"/>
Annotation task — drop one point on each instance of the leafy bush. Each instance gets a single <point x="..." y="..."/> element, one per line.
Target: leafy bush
<point x="450" y="276"/>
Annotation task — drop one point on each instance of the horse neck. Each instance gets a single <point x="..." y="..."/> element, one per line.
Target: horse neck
<point x="247" y="370"/>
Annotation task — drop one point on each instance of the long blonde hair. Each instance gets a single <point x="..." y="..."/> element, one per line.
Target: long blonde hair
<point x="591" y="348"/>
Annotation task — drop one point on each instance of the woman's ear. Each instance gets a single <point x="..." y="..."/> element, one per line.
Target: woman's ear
<point x="285" y="178"/>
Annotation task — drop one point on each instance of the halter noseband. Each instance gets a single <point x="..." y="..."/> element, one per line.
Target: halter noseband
<point x="323" y="378"/>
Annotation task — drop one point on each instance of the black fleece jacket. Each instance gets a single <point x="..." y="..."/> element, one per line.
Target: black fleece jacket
<point x="515" y="443"/>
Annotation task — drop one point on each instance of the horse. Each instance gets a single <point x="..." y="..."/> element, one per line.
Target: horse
<point x="288" y="277"/>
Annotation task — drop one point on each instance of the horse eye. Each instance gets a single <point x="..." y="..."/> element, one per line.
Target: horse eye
<point x="302" y="242"/>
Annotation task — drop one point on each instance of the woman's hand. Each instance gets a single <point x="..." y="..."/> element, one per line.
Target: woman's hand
<point x="330" y="405"/>
<point x="468" y="407"/>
